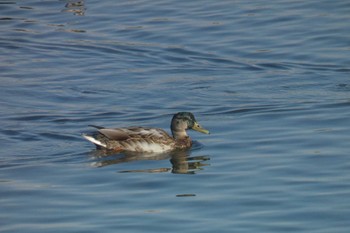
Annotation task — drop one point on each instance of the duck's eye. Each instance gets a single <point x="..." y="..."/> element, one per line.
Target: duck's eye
<point x="177" y="122"/>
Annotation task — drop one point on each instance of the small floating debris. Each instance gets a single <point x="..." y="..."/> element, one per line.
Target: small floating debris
<point x="186" y="195"/>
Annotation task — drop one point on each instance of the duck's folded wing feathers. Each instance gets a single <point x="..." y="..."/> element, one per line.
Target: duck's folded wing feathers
<point x="115" y="134"/>
<point x="136" y="133"/>
<point x="97" y="127"/>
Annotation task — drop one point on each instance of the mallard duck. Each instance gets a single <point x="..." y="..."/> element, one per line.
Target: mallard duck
<point x="145" y="139"/>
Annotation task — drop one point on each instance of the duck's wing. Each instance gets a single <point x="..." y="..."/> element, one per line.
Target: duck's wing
<point x="97" y="127"/>
<point x="131" y="133"/>
<point x="115" y="134"/>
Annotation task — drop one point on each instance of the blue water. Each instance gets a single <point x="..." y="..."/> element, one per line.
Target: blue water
<point x="269" y="79"/>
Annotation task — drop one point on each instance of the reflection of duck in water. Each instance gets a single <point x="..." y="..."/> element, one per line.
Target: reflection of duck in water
<point x="148" y="140"/>
<point x="181" y="161"/>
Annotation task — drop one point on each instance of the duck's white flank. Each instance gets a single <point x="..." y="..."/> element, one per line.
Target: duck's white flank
<point x="149" y="147"/>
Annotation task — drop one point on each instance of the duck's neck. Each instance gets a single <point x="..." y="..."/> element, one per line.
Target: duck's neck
<point x="182" y="140"/>
<point x="179" y="134"/>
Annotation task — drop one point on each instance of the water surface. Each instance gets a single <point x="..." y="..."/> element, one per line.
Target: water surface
<point x="269" y="80"/>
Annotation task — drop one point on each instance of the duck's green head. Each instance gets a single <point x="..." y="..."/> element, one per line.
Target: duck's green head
<point x="185" y="120"/>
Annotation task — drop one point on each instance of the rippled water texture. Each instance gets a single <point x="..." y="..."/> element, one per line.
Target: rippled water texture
<point x="269" y="79"/>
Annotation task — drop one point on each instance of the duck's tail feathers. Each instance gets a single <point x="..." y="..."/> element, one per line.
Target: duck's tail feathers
<point x="94" y="140"/>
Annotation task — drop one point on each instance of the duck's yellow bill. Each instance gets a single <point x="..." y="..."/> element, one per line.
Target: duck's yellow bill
<point x="199" y="128"/>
